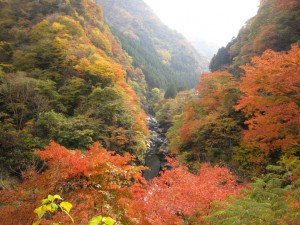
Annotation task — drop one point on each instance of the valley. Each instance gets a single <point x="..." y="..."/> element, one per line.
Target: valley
<point x="108" y="116"/>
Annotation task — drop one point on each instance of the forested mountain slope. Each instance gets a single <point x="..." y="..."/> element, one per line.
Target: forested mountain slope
<point x="235" y="142"/>
<point x="276" y="26"/>
<point x="164" y="55"/>
<point x="246" y="115"/>
<point x="62" y="78"/>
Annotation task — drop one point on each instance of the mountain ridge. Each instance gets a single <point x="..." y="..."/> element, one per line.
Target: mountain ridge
<point x="137" y="22"/>
<point x="64" y="77"/>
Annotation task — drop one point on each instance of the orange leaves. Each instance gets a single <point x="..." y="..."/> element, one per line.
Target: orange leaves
<point x="178" y="194"/>
<point x="132" y="104"/>
<point x="118" y="70"/>
<point x="209" y="122"/>
<point x="213" y="88"/>
<point x="289" y="5"/>
<point x="94" y="181"/>
<point x="271" y="100"/>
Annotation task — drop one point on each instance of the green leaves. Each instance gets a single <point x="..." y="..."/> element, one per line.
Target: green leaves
<point x="66" y="206"/>
<point x="52" y="198"/>
<point x="50" y="205"/>
<point x="39" y="211"/>
<point x="101" y="220"/>
<point x="36" y="222"/>
<point x="272" y="199"/>
<point x="108" y="221"/>
<point x="95" y="220"/>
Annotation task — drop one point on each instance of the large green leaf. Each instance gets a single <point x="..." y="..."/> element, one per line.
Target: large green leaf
<point x="56" y="197"/>
<point x="45" y="201"/>
<point x="66" y="205"/>
<point x="50" y="198"/>
<point x="108" y="221"/>
<point x="95" y="220"/>
<point x="40" y="211"/>
<point x="36" y="222"/>
<point x="54" y="206"/>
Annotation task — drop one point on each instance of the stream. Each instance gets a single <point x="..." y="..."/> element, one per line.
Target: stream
<point x="157" y="148"/>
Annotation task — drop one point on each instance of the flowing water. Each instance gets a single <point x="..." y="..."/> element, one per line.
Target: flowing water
<point x="157" y="141"/>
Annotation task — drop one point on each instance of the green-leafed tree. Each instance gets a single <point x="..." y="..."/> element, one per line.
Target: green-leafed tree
<point x="63" y="78"/>
<point x="171" y="91"/>
<point x="272" y="199"/>
<point x="210" y="127"/>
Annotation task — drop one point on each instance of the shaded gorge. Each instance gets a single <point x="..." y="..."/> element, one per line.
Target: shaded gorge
<point x="157" y="149"/>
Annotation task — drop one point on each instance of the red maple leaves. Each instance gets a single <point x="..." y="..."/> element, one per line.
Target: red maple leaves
<point x="178" y="194"/>
<point x="271" y="101"/>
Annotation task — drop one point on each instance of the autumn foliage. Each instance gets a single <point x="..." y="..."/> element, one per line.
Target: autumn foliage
<point x="209" y="125"/>
<point x="271" y="101"/>
<point x="96" y="182"/>
<point x="178" y="195"/>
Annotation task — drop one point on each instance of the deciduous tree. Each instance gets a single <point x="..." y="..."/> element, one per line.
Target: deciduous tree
<point x="271" y="102"/>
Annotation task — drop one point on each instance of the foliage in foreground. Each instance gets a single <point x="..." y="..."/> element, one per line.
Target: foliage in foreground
<point x="272" y="199"/>
<point x="50" y="207"/>
<point x="178" y="195"/>
<point x="98" y="182"/>
<point x="95" y="182"/>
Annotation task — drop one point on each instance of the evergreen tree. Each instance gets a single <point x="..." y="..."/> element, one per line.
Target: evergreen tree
<point x="171" y="91"/>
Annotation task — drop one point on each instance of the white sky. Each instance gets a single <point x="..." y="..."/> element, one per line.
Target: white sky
<point x="215" y="21"/>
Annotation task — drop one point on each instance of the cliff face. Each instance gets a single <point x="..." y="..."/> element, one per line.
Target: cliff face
<point x="164" y="55"/>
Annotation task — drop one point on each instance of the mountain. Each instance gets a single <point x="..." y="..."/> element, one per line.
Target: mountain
<point x="164" y="55"/>
<point x="276" y="26"/>
<point x="63" y="78"/>
<point x="245" y="117"/>
<point x="204" y="48"/>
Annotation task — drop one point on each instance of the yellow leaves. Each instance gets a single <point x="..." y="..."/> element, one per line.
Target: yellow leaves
<point x="66" y="206"/>
<point x="57" y="26"/>
<point x="102" y="68"/>
<point x="165" y="55"/>
<point x="40" y="30"/>
<point x="118" y="70"/>
<point x="100" y="40"/>
<point x="71" y="26"/>
<point x="120" y="137"/>
<point x="50" y="205"/>
<point x="83" y="64"/>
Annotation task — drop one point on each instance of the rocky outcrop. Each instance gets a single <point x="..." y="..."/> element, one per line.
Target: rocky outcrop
<point x="157" y="145"/>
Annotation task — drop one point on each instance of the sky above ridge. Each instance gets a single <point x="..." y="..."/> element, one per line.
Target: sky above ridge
<point x="214" y="21"/>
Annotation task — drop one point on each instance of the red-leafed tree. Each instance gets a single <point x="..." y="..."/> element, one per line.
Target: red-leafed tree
<point x="271" y="101"/>
<point x="177" y="195"/>
<point x="96" y="182"/>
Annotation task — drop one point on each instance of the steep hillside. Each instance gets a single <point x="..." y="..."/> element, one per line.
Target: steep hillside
<point x="62" y="78"/>
<point x="164" y="55"/>
<point x="276" y="26"/>
<point x="246" y="115"/>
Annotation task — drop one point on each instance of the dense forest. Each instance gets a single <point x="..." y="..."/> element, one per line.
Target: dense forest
<point x="63" y="79"/>
<point x="162" y="53"/>
<point x="73" y="126"/>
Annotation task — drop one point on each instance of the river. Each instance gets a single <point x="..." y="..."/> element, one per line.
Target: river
<point x="156" y="148"/>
